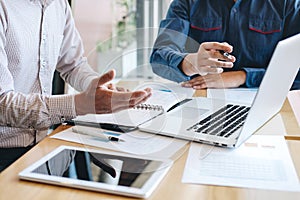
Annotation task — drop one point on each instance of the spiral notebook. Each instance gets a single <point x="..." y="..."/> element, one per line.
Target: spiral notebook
<point x="127" y="120"/>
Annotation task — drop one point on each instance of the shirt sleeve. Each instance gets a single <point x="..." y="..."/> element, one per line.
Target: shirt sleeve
<point x="168" y="51"/>
<point x="35" y="111"/>
<point x="72" y="64"/>
<point x="291" y="27"/>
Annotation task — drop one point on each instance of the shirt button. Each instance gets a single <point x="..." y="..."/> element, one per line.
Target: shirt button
<point x="43" y="63"/>
<point x="234" y="10"/>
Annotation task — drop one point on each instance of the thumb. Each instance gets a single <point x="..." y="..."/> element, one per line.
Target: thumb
<point x="108" y="76"/>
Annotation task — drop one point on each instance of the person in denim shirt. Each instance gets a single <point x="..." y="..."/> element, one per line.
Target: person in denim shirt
<point x="187" y="48"/>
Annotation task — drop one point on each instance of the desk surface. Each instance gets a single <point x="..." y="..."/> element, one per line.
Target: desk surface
<point x="170" y="188"/>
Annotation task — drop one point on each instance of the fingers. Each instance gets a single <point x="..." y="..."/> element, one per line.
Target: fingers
<point x="111" y="86"/>
<point x="218" y="46"/>
<point x="225" y="80"/>
<point x="222" y="55"/>
<point x="217" y="59"/>
<point x="121" y="89"/>
<point x="196" y="83"/>
<point x="218" y="63"/>
<point x="132" y="97"/>
<point x="202" y="82"/>
<point x="212" y="55"/>
<point x="105" y="78"/>
<point x="209" y="70"/>
<point x="124" y="100"/>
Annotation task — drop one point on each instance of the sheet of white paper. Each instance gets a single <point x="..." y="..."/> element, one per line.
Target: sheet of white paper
<point x="245" y="95"/>
<point x="273" y="127"/>
<point x="262" y="162"/>
<point x="173" y="87"/>
<point x="135" y="142"/>
<point x="294" y="99"/>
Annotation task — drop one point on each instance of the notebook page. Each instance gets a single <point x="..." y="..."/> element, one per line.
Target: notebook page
<point x="137" y="116"/>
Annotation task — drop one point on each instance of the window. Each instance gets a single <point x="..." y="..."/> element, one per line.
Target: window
<point x="119" y="33"/>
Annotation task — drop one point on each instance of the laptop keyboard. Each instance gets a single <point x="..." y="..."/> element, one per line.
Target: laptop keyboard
<point x="223" y="122"/>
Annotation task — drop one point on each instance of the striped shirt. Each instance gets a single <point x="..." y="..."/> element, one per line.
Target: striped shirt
<point x="37" y="37"/>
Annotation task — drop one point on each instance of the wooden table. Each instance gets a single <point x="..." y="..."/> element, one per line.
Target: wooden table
<point x="170" y="188"/>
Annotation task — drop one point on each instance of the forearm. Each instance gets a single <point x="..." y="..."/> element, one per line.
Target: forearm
<point x="80" y="76"/>
<point x="166" y="63"/>
<point x="34" y="110"/>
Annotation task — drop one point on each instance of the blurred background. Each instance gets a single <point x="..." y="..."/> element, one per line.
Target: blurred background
<point x="119" y="33"/>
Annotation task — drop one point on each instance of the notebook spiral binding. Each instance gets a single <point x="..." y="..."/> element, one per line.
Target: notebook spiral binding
<point x="149" y="107"/>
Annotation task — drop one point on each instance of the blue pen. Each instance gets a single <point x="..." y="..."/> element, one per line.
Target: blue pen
<point x="165" y="90"/>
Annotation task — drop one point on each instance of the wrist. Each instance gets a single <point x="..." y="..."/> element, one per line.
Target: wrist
<point x="82" y="104"/>
<point x="187" y="66"/>
<point x="242" y="77"/>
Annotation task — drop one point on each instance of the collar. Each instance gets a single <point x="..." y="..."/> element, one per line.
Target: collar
<point x="42" y="2"/>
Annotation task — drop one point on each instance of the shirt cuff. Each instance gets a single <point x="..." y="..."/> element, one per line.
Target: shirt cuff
<point x="61" y="107"/>
<point x="254" y="76"/>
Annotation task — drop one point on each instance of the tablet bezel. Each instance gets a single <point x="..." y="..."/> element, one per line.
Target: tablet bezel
<point x="143" y="192"/>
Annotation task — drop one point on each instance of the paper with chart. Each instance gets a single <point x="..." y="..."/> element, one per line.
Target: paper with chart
<point x="135" y="142"/>
<point x="262" y="162"/>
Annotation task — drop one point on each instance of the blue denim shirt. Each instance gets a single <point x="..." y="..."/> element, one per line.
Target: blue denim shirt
<point x="253" y="27"/>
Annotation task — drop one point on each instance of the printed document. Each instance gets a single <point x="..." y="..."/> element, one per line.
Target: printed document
<point x="262" y="162"/>
<point x="135" y="142"/>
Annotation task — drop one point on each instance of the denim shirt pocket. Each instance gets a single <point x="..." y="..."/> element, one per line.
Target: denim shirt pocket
<point x="207" y="24"/>
<point x="206" y="29"/>
<point x="263" y="35"/>
<point x="265" y="26"/>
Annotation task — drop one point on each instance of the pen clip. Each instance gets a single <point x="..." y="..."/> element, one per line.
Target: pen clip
<point x="224" y="53"/>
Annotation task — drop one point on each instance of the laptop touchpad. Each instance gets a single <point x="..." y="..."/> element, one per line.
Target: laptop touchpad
<point x="188" y="112"/>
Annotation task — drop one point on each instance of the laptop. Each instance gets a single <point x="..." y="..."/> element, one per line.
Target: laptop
<point x="229" y="124"/>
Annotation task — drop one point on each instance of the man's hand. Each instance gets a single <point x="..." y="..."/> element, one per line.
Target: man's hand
<point x="103" y="97"/>
<point x="224" y="80"/>
<point x="208" y="59"/>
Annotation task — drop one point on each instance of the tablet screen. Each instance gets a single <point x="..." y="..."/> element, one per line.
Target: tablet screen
<point x="99" y="167"/>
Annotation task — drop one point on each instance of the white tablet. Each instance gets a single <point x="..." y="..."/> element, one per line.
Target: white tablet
<point x="99" y="170"/>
